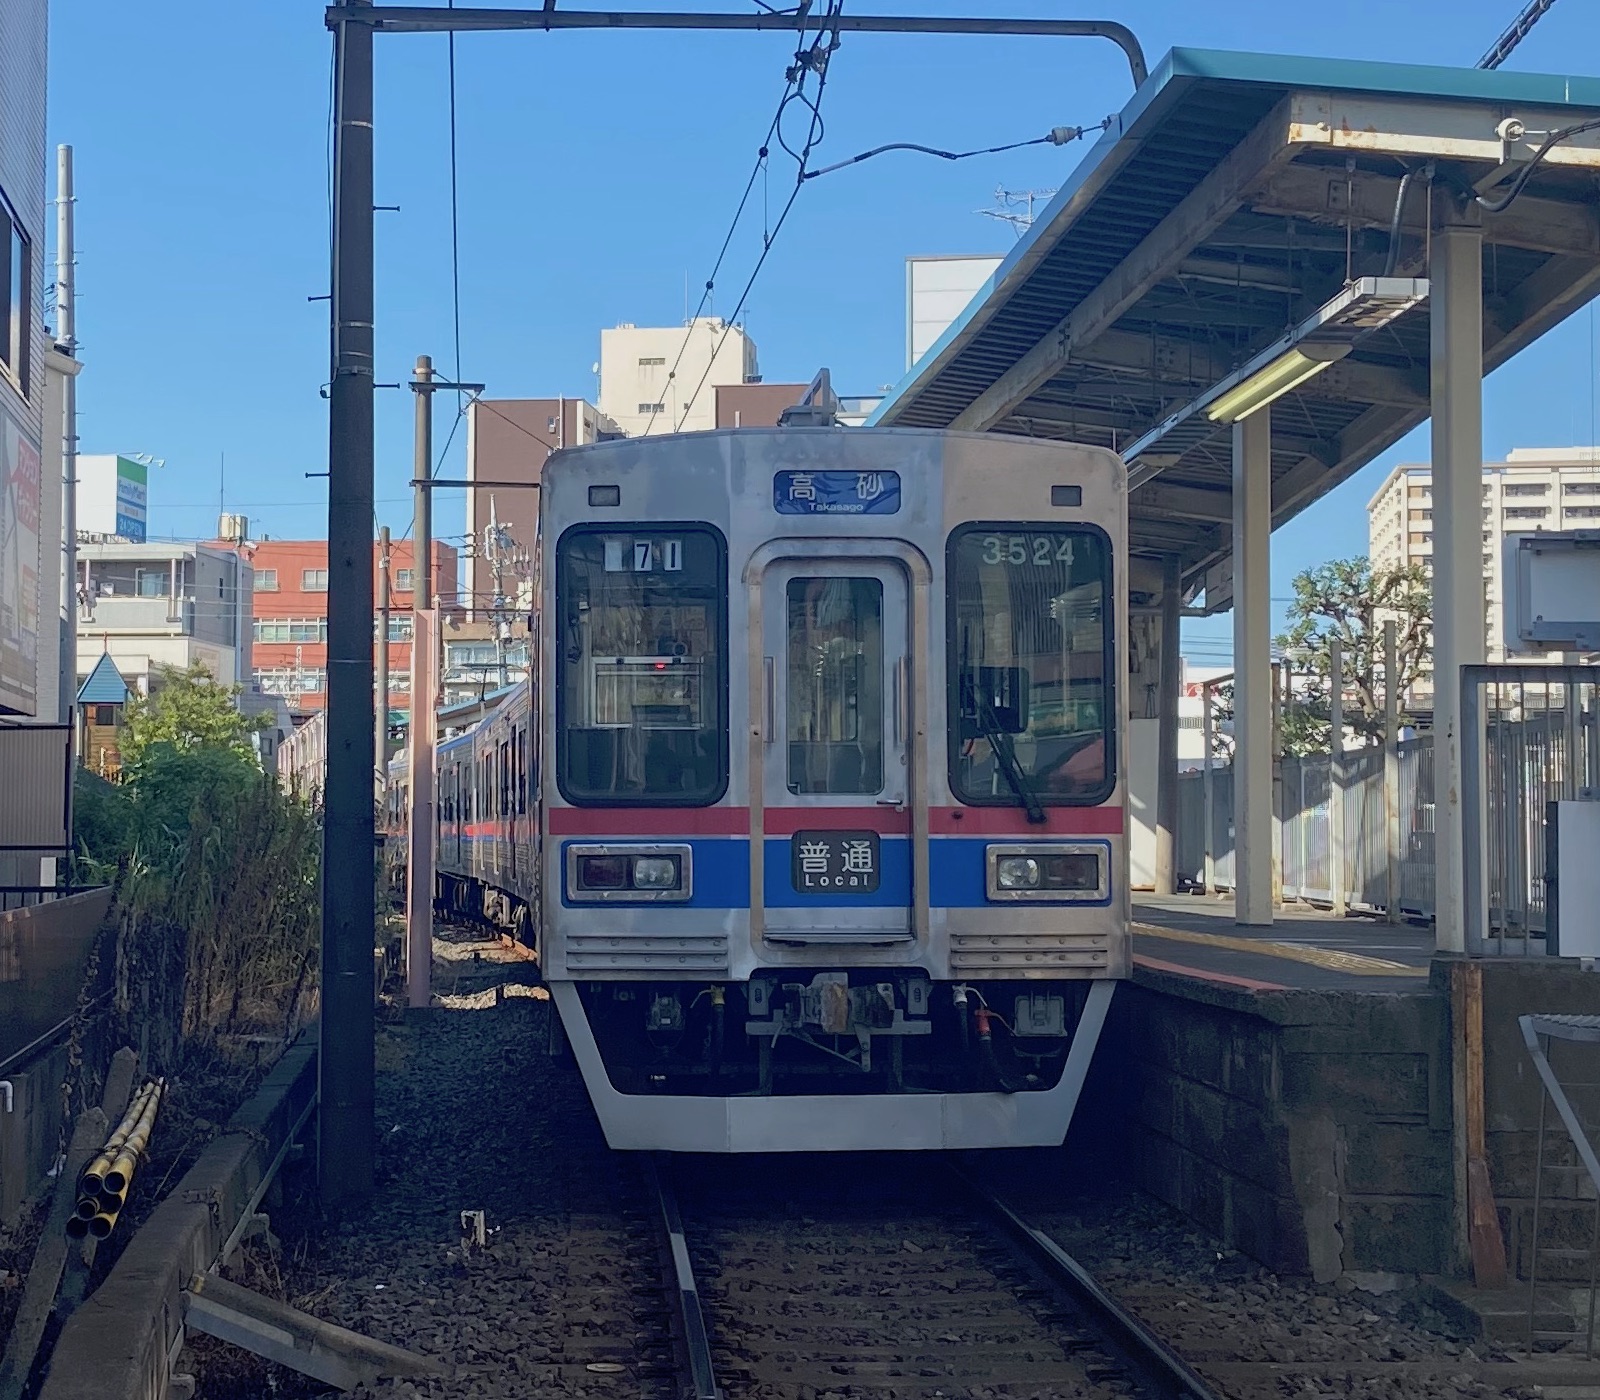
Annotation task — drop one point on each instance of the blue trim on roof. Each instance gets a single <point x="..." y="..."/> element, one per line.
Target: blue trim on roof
<point x="104" y="685"/>
<point x="1391" y="79"/>
<point x="1178" y="71"/>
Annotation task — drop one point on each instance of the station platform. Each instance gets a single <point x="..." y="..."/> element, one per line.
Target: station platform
<point x="1309" y="950"/>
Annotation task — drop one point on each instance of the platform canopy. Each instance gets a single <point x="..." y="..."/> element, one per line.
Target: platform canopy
<point x="1234" y="199"/>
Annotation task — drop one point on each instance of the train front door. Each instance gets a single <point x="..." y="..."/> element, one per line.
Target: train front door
<point x="836" y="823"/>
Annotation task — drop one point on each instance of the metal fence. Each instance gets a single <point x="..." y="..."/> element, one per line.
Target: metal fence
<point x="1529" y="737"/>
<point x="1303" y="793"/>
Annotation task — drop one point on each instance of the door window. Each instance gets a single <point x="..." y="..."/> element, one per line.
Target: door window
<point x="834" y="685"/>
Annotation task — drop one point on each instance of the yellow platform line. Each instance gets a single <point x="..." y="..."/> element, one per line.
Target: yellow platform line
<point x="1358" y="964"/>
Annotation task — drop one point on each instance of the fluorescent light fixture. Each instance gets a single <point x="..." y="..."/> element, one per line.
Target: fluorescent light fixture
<point x="1324" y="337"/>
<point x="1289" y="371"/>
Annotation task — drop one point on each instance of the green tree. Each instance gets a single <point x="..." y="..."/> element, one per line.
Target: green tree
<point x="186" y="710"/>
<point x="1350" y="600"/>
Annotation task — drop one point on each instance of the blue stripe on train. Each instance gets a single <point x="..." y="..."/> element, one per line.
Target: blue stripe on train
<point x="956" y="878"/>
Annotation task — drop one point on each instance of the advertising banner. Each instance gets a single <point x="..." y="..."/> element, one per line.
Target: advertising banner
<point x="133" y="494"/>
<point x="19" y="568"/>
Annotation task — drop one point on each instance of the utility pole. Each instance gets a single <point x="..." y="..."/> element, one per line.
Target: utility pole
<point x="349" y="905"/>
<point x="420" y="826"/>
<point x="381" y="690"/>
<point x="67" y="340"/>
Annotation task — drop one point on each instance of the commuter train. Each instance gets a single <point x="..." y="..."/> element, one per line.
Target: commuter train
<point x="812" y="807"/>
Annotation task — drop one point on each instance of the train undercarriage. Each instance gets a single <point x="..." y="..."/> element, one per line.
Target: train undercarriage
<point x="807" y="1031"/>
<point x="824" y="1060"/>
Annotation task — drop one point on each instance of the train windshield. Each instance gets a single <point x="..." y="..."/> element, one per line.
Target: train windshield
<point x="641" y="666"/>
<point x="1031" y="666"/>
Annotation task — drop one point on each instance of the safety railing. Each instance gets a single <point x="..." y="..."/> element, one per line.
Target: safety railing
<point x="1528" y="738"/>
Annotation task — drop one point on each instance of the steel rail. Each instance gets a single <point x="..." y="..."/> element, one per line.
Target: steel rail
<point x="685" y="1293"/>
<point x="421" y="19"/>
<point x="1152" y="1361"/>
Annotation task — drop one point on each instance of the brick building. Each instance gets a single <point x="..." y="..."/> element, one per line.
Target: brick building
<point x="289" y="629"/>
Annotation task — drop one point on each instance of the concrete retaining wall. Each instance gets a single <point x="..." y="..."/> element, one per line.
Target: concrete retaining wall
<point x="1515" y="987"/>
<point x="115" y="1347"/>
<point x="1309" y="1130"/>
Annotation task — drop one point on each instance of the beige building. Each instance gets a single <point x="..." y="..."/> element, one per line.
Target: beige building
<point x="1535" y="488"/>
<point x="649" y="374"/>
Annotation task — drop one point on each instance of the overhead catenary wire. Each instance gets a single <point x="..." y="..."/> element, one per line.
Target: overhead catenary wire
<point x="756" y="170"/>
<point x="815" y="59"/>
<point x="1057" y="136"/>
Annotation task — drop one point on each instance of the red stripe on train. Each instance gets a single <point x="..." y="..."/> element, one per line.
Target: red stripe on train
<point x="664" y="823"/>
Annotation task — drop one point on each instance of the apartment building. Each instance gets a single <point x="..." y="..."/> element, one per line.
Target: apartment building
<point x="164" y="604"/>
<point x="289" y="629"/>
<point x="1535" y="488"/>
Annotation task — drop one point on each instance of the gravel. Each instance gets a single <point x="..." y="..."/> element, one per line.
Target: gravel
<point x="1219" y="1309"/>
<point x="826" y="1266"/>
<point x="473" y="1115"/>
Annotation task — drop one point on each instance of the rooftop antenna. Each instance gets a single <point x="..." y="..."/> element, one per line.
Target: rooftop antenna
<point x="1011" y="200"/>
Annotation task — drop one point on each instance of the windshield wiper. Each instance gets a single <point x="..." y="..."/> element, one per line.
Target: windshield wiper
<point x="1005" y="757"/>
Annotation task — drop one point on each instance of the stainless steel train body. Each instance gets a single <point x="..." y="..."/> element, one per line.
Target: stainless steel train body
<point x="832" y="846"/>
<point x="487" y="826"/>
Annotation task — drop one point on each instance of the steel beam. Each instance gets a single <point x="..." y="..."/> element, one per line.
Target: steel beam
<point x="1458" y="605"/>
<point x="1252" y="659"/>
<point x="1174" y="360"/>
<point x="1205" y="209"/>
<point x="1347" y="123"/>
<point x="397" y="19"/>
<point x="1188" y="502"/>
<point x="1367" y="201"/>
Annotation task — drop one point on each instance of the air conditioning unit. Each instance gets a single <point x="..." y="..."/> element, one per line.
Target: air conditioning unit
<point x="233" y="528"/>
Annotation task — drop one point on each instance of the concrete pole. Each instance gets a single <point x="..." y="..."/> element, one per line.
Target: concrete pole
<point x="1252" y="658"/>
<point x="420" y="823"/>
<point x="1391" y="766"/>
<point x="349" y="889"/>
<point x="1167" y="728"/>
<point x="1336" y="852"/>
<point x="381" y="689"/>
<point x="1457" y="393"/>
<point x="67" y="339"/>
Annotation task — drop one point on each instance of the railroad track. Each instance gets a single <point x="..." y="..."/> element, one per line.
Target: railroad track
<point x="958" y="1297"/>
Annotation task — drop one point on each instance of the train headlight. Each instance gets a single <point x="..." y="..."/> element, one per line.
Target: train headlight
<point x="602" y="873"/>
<point x="1017" y="873"/>
<point x="1070" y="873"/>
<point x="627" y="873"/>
<point x="655" y="873"/>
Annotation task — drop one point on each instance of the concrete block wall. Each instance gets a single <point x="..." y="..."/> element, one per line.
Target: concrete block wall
<point x="1308" y="1130"/>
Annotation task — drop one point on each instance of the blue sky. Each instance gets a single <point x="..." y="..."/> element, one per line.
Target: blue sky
<point x="597" y="172"/>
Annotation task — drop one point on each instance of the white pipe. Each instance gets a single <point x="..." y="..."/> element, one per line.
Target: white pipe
<point x="8" y="1090"/>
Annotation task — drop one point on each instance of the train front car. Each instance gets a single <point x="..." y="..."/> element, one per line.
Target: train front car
<point x="834" y="849"/>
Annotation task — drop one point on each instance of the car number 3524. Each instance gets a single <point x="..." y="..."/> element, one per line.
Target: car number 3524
<point x="1025" y="551"/>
